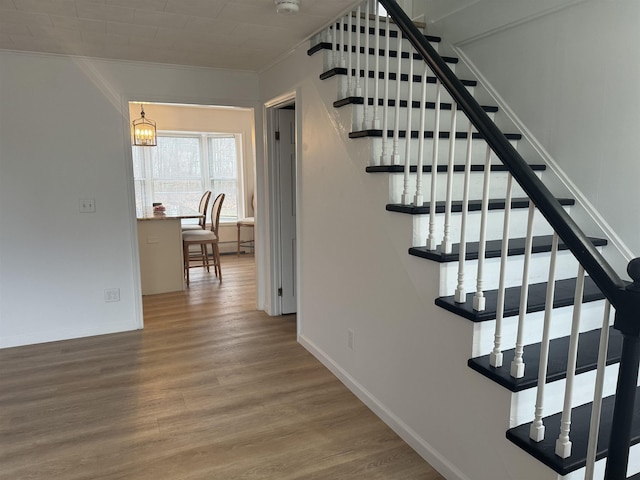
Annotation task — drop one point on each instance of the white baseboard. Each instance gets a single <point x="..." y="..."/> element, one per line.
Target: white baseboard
<point x="404" y="431"/>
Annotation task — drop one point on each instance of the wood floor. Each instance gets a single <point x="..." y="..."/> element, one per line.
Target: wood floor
<point x="210" y="389"/>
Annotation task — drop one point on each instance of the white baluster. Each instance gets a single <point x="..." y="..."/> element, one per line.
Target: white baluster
<point x="431" y="239"/>
<point x="479" y="299"/>
<point x="445" y="246"/>
<point x="495" y="358"/>
<point x="461" y="294"/>
<point x="350" y="83"/>
<point x="343" y="60"/>
<point x="517" y="364"/>
<point x="418" y="197"/>
<point x="376" y="73"/>
<point x="537" y="429"/>
<point x="596" y="410"/>
<point x="563" y="443"/>
<point x="385" y="103"/>
<point x="358" y="91"/>
<point x="406" y="196"/>
<point x="395" y="156"/>
<point x="367" y="42"/>
<point x="336" y="52"/>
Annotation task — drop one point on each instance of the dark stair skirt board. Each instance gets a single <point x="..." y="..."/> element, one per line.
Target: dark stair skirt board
<point x="588" y="346"/>
<point x="580" y="420"/>
<point x="473" y="206"/>
<point x="564" y="296"/>
<point x="493" y="248"/>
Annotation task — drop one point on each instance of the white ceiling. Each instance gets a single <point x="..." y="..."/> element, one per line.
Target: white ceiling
<point x="234" y="34"/>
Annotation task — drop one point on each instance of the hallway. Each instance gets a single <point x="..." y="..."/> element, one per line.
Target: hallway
<point x="210" y="389"/>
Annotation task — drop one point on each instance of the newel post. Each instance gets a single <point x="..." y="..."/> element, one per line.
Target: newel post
<point x="627" y="321"/>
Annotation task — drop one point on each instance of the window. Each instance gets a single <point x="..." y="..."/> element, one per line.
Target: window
<point x="183" y="166"/>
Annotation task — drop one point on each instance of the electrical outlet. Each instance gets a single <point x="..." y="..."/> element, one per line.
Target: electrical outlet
<point x="87" y="205"/>
<point x="112" y="295"/>
<point x="351" y="339"/>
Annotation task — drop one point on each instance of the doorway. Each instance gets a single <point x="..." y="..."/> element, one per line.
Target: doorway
<point x="282" y="133"/>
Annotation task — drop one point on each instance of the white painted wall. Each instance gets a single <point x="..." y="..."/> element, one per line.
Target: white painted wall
<point x="64" y="136"/>
<point x="409" y="360"/>
<point x="571" y="77"/>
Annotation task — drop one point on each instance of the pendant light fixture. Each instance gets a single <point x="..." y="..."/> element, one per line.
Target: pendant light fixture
<point x="144" y="131"/>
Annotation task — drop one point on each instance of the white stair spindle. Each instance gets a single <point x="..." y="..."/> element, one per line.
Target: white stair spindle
<point x="445" y="246"/>
<point x="563" y="443"/>
<point x="358" y="91"/>
<point x="395" y="156"/>
<point x="384" y="156"/>
<point x="537" y="430"/>
<point x="376" y="72"/>
<point x="367" y="41"/>
<point x="336" y="53"/>
<point x="517" y="364"/>
<point x="406" y="196"/>
<point x="343" y="60"/>
<point x="351" y="82"/>
<point x="418" y="198"/>
<point x="461" y="295"/>
<point x="594" y="428"/>
<point x="479" y="299"/>
<point x="431" y="239"/>
<point x="496" y="356"/>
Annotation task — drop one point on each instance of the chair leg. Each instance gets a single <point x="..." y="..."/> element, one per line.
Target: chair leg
<point x="185" y="261"/>
<point x="216" y="260"/>
<point x="238" y="240"/>
<point x="205" y="256"/>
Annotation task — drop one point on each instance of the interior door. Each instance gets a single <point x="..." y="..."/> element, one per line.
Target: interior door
<point x="286" y="153"/>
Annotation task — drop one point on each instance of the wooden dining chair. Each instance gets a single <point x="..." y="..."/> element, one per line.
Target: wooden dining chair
<point x="202" y="208"/>
<point x="203" y="238"/>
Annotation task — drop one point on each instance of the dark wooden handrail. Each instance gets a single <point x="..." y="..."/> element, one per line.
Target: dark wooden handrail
<point x="594" y="263"/>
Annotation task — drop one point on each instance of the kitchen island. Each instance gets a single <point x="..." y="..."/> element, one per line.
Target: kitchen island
<point x="160" y="248"/>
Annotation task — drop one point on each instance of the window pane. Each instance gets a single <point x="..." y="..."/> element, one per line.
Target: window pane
<point x="138" y="162"/>
<point x="177" y="157"/>
<point x="223" y="159"/>
<point x="230" y="205"/>
<point x="178" y="192"/>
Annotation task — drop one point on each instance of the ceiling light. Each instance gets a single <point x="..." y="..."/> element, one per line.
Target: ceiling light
<point x="144" y="131"/>
<point x="287" y="7"/>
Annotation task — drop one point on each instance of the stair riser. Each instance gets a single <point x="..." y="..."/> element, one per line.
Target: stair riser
<point x="633" y="468"/>
<point x="523" y="403"/>
<point x="518" y="225"/>
<point x="462" y="124"/>
<point x="483" y="335"/>
<point x="416" y="94"/>
<point x="478" y="150"/>
<point x="566" y="267"/>
<point x="497" y="185"/>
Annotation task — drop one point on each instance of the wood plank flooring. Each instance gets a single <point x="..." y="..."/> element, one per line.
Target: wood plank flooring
<point x="210" y="389"/>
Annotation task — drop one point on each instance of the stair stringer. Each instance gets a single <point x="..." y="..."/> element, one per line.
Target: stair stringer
<point x="409" y="361"/>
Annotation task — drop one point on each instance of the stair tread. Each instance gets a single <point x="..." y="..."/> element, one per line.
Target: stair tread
<point x="588" y="346"/>
<point x="403" y="104"/>
<point x="394" y="34"/>
<point x="540" y="244"/>
<point x="473" y="206"/>
<point x="392" y="76"/>
<point x="580" y="419"/>
<point x="564" y="295"/>
<point x="475" y="167"/>
<point x="377" y="133"/>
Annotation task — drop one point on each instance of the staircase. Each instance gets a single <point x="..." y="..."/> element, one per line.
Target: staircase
<point x="512" y="276"/>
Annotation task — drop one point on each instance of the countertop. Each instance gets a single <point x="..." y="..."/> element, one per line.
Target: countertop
<point x="171" y="212"/>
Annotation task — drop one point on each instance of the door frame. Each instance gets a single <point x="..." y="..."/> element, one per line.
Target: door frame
<point x="273" y="279"/>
